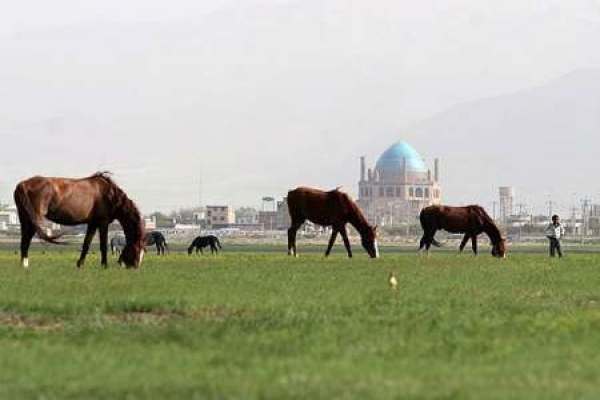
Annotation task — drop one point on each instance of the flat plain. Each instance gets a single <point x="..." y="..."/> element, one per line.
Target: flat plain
<point x="257" y="324"/>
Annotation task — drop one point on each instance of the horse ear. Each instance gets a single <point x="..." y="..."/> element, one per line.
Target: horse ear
<point x="375" y="228"/>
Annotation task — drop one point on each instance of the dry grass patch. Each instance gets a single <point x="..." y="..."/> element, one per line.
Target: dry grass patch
<point x="162" y="316"/>
<point x="36" y="323"/>
<point x="151" y="317"/>
<point x="219" y="313"/>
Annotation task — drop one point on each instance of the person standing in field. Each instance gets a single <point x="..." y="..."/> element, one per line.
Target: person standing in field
<point x="554" y="232"/>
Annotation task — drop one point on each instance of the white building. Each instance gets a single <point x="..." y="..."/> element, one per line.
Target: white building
<point x="199" y="217"/>
<point x="507" y="198"/>
<point x="150" y="223"/>
<point x="246" y="216"/>
<point x="8" y="218"/>
<point x="220" y="215"/>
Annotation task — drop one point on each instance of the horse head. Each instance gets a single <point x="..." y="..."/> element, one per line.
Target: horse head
<point x="131" y="221"/>
<point x="369" y="241"/>
<point x="499" y="248"/>
<point x="132" y="254"/>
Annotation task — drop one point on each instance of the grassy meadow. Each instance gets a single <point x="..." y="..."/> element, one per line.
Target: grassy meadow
<point x="252" y="324"/>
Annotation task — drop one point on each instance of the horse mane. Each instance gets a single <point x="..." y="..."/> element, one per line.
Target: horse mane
<point x="483" y="214"/>
<point x="125" y="210"/>
<point x="490" y="226"/>
<point x="104" y="175"/>
<point x="115" y="194"/>
<point x="359" y="221"/>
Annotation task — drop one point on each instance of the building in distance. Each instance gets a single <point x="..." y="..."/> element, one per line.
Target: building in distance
<point x="220" y="216"/>
<point x="399" y="186"/>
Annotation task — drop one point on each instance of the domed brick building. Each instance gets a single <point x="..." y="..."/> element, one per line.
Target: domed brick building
<point x="400" y="185"/>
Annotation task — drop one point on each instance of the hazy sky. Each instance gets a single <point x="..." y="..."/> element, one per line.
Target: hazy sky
<point x="255" y="97"/>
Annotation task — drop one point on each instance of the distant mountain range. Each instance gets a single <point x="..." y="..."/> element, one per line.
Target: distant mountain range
<point x="545" y="141"/>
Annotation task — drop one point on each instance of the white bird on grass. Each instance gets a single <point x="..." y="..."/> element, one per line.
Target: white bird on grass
<point x="393" y="281"/>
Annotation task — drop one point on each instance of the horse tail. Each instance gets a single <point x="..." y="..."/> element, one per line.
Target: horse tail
<point x="26" y="209"/>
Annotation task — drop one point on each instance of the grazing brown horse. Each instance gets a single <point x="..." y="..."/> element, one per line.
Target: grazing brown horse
<point x="470" y="220"/>
<point x="333" y="208"/>
<point x="96" y="201"/>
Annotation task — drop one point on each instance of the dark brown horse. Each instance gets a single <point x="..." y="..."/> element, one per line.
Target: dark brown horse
<point x="470" y="220"/>
<point x="333" y="208"/>
<point x="96" y="201"/>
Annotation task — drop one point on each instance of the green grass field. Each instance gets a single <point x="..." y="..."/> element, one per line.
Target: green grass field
<point x="261" y="325"/>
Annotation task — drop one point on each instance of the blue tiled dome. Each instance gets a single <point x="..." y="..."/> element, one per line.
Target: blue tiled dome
<point x="392" y="160"/>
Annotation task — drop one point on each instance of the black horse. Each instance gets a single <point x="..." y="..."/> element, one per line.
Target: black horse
<point x="155" y="238"/>
<point x="205" y="241"/>
<point x="117" y="243"/>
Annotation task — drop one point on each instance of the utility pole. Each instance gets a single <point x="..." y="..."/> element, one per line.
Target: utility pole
<point x="200" y="191"/>
<point x="585" y="203"/>
<point x="573" y="220"/>
<point x="408" y="214"/>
